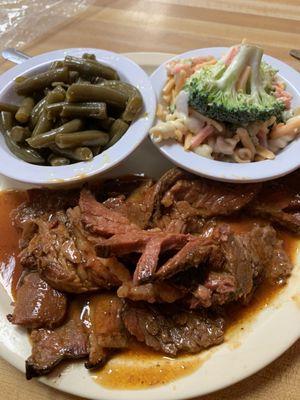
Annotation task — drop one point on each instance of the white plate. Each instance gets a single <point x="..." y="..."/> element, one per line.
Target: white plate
<point x="274" y="329"/>
<point x="286" y="161"/>
<point x="129" y="71"/>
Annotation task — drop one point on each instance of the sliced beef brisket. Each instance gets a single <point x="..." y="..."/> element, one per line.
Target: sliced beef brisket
<point x="38" y="304"/>
<point x="66" y="258"/>
<point x="183" y="202"/>
<point x="107" y="331"/>
<point x="279" y="201"/>
<point x="172" y="331"/>
<point x="50" y="347"/>
<point x="156" y="292"/>
<point x="208" y="198"/>
<point x="133" y="241"/>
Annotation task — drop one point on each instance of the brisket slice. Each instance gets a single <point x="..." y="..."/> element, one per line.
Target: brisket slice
<point x="50" y="347"/>
<point x="233" y="263"/>
<point x="218" y="288"/>
<point x="194" y="253"/>
<point x="160" y="188"/>
<point x="107" y="331"/>
<point x="65" y="257"/>
<point x="182" y="202"/>
<point x="172" y="331"/>
<point x="276" y="266"/>
<point x="38" y="304"/>
<point x="41" y="203"/>
<point x="156" y="292"/>
<point x="248" y="257"/>
<point x="101" y="220"/>
<point x="120" y="237"/>
<point x="136" y="206"/>
<point x="94" y="334"/>
<point x="150" y="244"/>
<point x="209" y="198"/>
<point x="279" y="201"/>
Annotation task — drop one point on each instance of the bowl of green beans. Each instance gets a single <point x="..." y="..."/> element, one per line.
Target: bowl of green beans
<point x="68" y="115"/>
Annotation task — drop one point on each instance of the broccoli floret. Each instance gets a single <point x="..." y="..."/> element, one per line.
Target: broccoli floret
<point x="268" y="74"/>
<point x="213" y="89"/>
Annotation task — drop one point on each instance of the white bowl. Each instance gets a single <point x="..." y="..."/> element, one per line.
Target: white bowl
<point x="286" y="161"/>
<point x="13" y="167"/>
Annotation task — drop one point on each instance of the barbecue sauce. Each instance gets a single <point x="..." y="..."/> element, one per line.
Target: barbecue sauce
<point x="138" y="367"/>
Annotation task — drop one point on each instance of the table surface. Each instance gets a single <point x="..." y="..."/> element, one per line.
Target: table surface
<point x="175" y="26"/>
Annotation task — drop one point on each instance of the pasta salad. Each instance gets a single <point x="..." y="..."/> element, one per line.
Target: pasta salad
<point x="235" y="109"/>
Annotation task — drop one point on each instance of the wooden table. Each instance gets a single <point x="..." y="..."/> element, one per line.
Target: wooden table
<point x="175" y="26"/>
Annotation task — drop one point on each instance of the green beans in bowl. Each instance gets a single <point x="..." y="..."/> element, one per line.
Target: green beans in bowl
<point x="70" y="114"/>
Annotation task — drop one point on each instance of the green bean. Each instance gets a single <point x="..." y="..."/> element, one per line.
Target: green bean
<point x="73" y="76"/>
<point x="89" y="56"/>
<point x="44" y="124"/>
<point x="106" y="123"/>
<point x="78" y="92"/>
<point x="19" y="133"/>
<point x="25" y="153"/>
<point x="6" y="122"/>
<point x="134" y="99"/>
<point x="9" y="107"/>
<point x="60" y="84"/>
<point x="57" y="64"/>
<point x="78" y="154"/>
<point x="20" y="79"/>
<point x="94" y="110"/>
<point x="36" y="111"/>
<point x="96" y="150"/>
<point x="24" y="112"/>
<point x="54" y="110"/>
<point x="57" y="161"/>
<point x="46" y="138"/>
<point x="97" y="80"/>
<point x="42" y="80"/>
<point x="81" y="138"/>
<point x="56" y="95"/>
<point x="88" y="68"/>
<point x="64" y="109"/>
<point x="133" y="108"/>
<point x="82" y="80"/>
<point x="116" y="131"/>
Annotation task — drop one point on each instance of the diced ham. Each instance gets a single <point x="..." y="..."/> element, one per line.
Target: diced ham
<point x="201" y="136"/>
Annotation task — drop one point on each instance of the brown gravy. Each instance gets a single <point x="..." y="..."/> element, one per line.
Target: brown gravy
<point x="10" y="269"/>
<point x="137" y="367"/>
